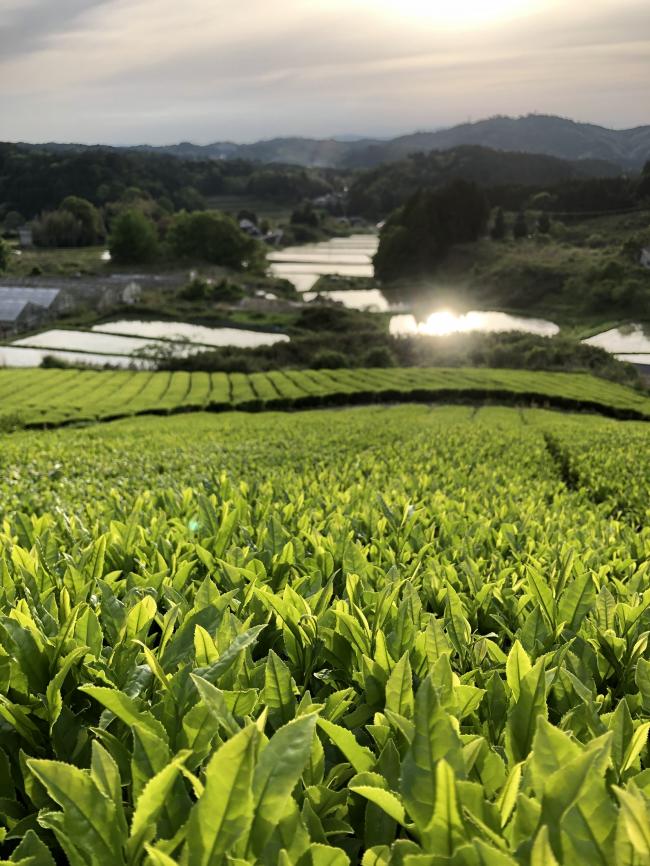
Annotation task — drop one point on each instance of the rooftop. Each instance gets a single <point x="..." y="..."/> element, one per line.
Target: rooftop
<point x="10" y="310"/>
<point x="27" y="295"/>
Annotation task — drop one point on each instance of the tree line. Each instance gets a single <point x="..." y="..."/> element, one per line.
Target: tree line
<point x="510" y="180"/>
<point x="34" y="179"/>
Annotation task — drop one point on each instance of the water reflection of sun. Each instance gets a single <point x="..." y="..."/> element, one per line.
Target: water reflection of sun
<point x="439" y="324"/>
<point x="444" y="323"/>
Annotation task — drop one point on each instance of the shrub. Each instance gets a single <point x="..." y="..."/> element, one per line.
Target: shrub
<point x="196" y="290"/>
<point x="5" y="253"/>
<point x="224" y="290"/>
<point x="212" y="237"/>
<point x="58" y="228"/>
<point x="134" y="239"/>
<point x="77" y="223"/>
<point x="378" y="356"/>
<point x="498" y="231"/>
<point x="52" y="362"/>
<point x="328" y="359"/>
<point x="520" y="228"/>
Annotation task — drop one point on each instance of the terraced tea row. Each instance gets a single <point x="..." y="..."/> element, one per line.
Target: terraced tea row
<point x="381" y="636"/>
<point x="52" y="397"/>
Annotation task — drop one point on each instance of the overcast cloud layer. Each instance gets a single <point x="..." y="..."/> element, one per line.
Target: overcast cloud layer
<point x="162" y="71"/>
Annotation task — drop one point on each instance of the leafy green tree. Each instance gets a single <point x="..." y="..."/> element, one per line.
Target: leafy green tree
<point x="417" y="237"/>
<point x="520" y="228"/>
<point x="329" y="359"/>
<point x="4" y="255"/>
<point x="59" y="228"/>
<point x="246" y="214"/>
<point x="76" y="223"/>
<point x="644" y="184"/>
<point x="379" y="356"/>
<point x="305" y="215"/>
<point x="92" y="229"/>
<point x="133" y="239"/>
<point x="498" y="231"/>
<point x="213" y="237"/>
<point x="12" y="222"/>
<point x="544" y="224"/>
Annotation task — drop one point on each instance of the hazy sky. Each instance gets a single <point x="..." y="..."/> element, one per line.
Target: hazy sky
<point x="161" y="71"/>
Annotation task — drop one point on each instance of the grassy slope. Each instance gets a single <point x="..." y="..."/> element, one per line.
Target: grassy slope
<point x="38" y="397"/>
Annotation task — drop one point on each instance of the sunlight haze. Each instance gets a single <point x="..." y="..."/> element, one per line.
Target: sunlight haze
<point x="131" y="71"/>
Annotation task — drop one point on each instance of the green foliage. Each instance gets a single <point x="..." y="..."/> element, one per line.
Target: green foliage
<point x="329" y="359"/>
<point x="76" y="223"/>
<point x="510" y="177"/>
<point x="88" y="217"/>
<point x="33" y="178"/>
<point x="379" y="356"/>
<point x="520" y="227"/>
<point x="418" y="236"/>
<point x="213" y="237"/>
<point x="58" y="228"/>
<point x="5" y="255"/>
<point x="207" y="290"/>
<point x="133" y="239"/>
<point x="406" y="637"/>
<point x="60" y="396"/>
<point x="12" y="222"/>
<point x="498" y="230"/>
<point x="305" y="215"/>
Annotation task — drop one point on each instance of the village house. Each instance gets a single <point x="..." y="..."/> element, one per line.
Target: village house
<point x="249" y="227"/>
<point x="24" y="307"/>
<point x="25" y="237"/>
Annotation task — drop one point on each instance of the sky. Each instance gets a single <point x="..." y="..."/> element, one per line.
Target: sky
<point x="163" y="71"/>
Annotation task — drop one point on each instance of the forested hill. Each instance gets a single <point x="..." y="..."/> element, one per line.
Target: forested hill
<point x="554" y="136"/>
<point x="380" y="190"/>
<point x="628" y="149"/>
<point x="34" y="179"/>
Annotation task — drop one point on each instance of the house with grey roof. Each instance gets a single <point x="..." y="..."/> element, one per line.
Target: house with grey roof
<point x="25" y="307"/>
<point x="25" y="237"/>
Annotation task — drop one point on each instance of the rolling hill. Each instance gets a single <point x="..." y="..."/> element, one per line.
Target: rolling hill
<point x="628" y="149"/>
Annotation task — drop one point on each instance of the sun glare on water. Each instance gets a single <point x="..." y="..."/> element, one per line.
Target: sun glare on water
<point x="444" y="323"/>
<point x="460" y="13"/>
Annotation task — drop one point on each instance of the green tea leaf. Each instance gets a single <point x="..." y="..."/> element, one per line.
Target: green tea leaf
<point x="225" y="811"/>
<point x="278" y="770"/>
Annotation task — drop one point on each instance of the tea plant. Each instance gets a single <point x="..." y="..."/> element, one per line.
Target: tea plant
<point x="395" y="637"/>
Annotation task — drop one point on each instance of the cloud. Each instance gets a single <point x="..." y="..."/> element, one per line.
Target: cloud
<point x="32" y="25"/>
<point x="156" y="70"/>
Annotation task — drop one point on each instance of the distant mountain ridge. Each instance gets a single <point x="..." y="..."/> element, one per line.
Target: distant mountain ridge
<point x="541" y="134"/>
<point x="627" y="149"/>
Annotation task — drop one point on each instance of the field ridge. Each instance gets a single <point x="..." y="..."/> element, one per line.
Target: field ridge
<point x="36" y="398"/>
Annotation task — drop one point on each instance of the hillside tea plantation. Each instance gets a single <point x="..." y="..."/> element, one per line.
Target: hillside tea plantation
<point x="37" y="398"/>
<point x="382" y="636"/>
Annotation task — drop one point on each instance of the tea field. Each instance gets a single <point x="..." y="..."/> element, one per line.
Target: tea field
<point x="389" y="636"/>
<point x="54" y="397"/>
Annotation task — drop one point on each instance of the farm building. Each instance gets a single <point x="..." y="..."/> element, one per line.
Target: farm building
<point x="645" y="257"/>
<point x="25" y="237"/>
<point x="24" y="307"/>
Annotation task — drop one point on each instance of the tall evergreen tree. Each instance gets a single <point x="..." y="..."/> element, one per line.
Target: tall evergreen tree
<point x="520" y="228"/>
<point x="498" y="232"/>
